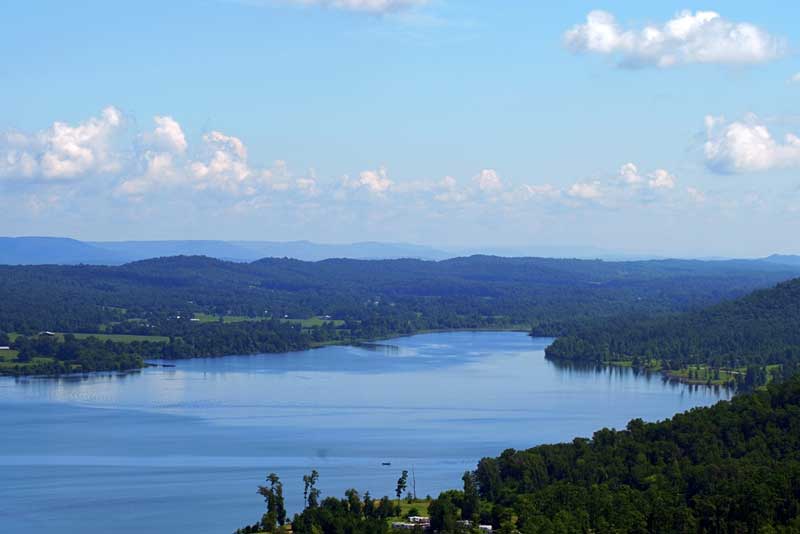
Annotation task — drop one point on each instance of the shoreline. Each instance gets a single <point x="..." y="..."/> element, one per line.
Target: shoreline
<point x="312" y="346"/>
<point x="669" y="375"/>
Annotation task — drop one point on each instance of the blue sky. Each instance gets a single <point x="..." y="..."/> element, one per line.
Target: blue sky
<point x="442" y="122"/>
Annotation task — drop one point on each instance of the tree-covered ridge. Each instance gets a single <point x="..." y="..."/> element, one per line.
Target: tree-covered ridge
<point x="730" y="468"/>
<point x="357" y="300"/>
<point x="757" y="330"/>
<point x="551" y="294"/>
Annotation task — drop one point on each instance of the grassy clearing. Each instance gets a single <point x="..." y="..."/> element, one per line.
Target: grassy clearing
<point x="305" y="323"/>
<point x="120" y="338"/>
<point x="420" y="506"/>
<point x="209" y="318"/>
<point x="703" y="374"/>
<point x="313" y="321"/>
<point x="8" y="355"/>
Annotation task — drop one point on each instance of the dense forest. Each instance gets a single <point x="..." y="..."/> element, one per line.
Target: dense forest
<point x="551" y="293"/>
<point x="197" y="306"/>
<point x="730" y="468"/>
<point x="758" y="334"/>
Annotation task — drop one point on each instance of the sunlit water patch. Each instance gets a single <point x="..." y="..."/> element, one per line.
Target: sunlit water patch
<point x="167" y="447"/>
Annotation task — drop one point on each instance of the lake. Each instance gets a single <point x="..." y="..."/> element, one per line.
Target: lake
<point x="183" y="449"/>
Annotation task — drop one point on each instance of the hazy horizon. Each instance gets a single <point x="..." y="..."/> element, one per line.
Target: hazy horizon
<point x="425" y="251"/>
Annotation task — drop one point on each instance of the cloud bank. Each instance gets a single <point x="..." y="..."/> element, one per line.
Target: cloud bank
<point x="699" y="37"/>
<point x="101" y="156"/>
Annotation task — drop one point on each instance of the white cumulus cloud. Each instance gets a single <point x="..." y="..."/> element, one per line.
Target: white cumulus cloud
<point x="661" y="179"/>
<point x="747" y="146"/>
<point x="448" y="191"/>
<point x="167" y="135"/>
<point x="376" y="182"/>
<point x="226" y="167"/>
<point x="159" y="170"/>
<point x="629" y="174"/>
<point x="585" y="190"/>
<point x="699" y="37"/>
<point x="488" y="180"/>
<point x="64" y="151"/>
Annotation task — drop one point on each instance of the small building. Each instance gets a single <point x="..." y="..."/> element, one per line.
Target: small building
<point x="415" y="522"/>
<point x="482" y="528"/>
<point x="5" y="348"/>
<point x="404" y="525"/>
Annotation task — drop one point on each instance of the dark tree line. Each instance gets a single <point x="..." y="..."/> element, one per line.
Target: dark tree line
<point x="760" y="329"/>
<point x="352" y="515"/>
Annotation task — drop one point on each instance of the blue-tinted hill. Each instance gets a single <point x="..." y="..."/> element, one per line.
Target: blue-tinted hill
<point x="54" y="250"/>
<point x="66" y="251"/>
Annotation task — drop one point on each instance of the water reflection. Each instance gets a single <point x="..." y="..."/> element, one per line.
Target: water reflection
<point x="383" y="348"/>
<point x="194" y="440"/>
<point x="570" y="368"/>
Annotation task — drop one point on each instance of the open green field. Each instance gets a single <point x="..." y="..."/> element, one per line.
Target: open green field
<point x="208" y="318"/>
<point x="420" y="505"/>
<point x="703" y="374"/>
<point x="8" y="355"/>
<point x="305" y="323"/>
<point x="313" y="321"/>
<point x="121" y="338"/>
<point x="8" y="360"/>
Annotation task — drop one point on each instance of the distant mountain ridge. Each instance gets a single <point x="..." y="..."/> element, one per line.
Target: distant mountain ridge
<point x="66" y="251"/>
<point x="54" y="250"/>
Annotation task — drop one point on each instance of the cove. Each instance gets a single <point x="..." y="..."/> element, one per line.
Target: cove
<point x="182" y="448"/>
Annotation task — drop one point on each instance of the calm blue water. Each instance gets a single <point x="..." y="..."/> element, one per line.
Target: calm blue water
<point x="183" y="449"/>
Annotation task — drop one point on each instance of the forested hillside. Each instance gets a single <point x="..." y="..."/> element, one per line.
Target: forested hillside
<point x="751" y="333"/>
<point x="551" y="293"/>
<point x="198" y="306"/>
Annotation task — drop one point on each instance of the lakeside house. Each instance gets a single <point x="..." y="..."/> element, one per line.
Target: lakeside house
<point x="424" y="523"/>
<point x="414" y="522"/>
<point x="482" y="528"/>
